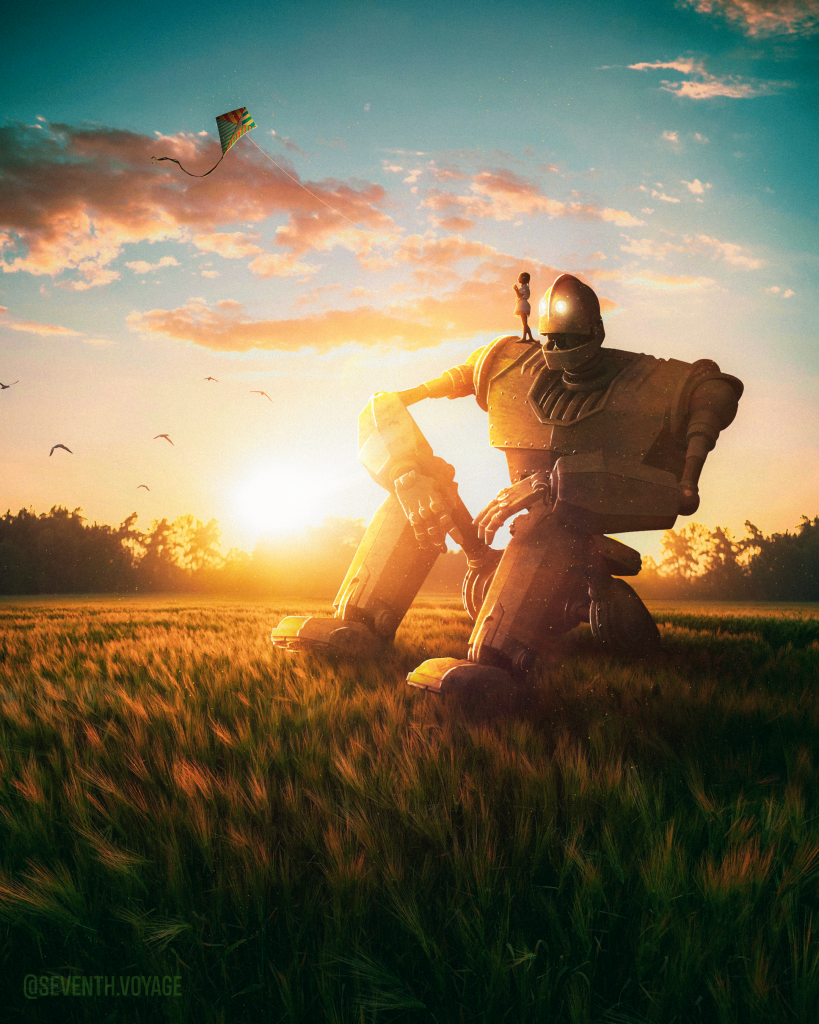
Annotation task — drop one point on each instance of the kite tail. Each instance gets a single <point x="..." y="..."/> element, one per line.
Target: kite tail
<point x="221" y="158"/>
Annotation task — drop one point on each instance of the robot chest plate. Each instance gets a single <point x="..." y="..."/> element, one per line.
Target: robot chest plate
<point x="536" y="411"/>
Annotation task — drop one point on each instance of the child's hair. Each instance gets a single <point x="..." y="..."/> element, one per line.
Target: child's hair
<point x="524" y="277"/>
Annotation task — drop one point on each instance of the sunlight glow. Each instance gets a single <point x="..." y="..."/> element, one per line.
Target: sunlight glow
<point x="281" y="498"/>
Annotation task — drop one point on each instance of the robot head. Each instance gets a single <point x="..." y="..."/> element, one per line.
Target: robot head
<point x="570" y="319"/>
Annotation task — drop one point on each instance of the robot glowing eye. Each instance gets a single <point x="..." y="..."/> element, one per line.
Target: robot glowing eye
<point x="560" y="306"/>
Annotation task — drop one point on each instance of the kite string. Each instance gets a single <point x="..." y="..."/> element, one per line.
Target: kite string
<point x="423" y="259"/>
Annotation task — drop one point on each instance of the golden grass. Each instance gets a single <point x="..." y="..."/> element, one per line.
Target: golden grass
<point x="321" y="835"/>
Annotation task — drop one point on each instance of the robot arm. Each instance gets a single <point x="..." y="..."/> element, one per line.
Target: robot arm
<point x="712" y="407"/>
<point x="397" y="456"/>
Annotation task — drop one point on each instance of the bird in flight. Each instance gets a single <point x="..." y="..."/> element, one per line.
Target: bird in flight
<point x="147" y="488"/>
<point x="262" y="393"/>
<point x="211" y="378"/>
<point x="166" y="438"/>
<point x="4" y="386"/>
<point x="60" y="446"/>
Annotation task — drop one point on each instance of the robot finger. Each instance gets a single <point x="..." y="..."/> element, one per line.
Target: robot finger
<point x="447" y="522"/>
<point x="406" y="481"/>
<point x="436" y="535"/>
<point x="487" y="514"/>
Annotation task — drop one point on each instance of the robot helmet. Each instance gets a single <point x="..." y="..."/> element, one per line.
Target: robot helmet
<point x="570" y="317"/>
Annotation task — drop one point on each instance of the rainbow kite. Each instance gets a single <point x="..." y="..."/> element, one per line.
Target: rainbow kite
<point x="232" y="126"/>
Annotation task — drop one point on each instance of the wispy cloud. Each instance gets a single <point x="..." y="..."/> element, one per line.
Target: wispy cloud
<point x="763" y="17"/>
<point x="505" y="196"/>
<point x="731" y="253"/>
<point x="670" y="282"/>
<point x="701" y="85"/>
<point x="472" y="307"/>
<point x="143" y="267"/>
<point x="32" y="327"/>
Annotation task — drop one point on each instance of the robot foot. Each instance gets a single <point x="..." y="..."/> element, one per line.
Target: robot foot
<point x="314" y="635"/>
<point x="446" y="675"/>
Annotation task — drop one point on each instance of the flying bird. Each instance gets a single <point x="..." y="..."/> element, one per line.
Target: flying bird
<point x="4" y="386"/>
<point x="262" y="393"/>
<point x="211" y="378"/>
<point x="60" y="446"/>
<point x="166" y="438"/>
<point x="147" y="488"/>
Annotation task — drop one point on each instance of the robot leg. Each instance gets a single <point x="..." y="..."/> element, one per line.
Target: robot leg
<point x="384" y="577"/>
<point x="537" y="590"/>
<point x="535" y="594"/>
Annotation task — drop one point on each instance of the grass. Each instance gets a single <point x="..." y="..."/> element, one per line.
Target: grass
<point x="306" y="841"/>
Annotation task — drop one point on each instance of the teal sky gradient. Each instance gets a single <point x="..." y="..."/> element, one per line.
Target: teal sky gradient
<point x="502" y="108"/>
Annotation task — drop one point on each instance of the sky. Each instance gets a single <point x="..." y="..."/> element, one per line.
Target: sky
<point x="409" y="160"/>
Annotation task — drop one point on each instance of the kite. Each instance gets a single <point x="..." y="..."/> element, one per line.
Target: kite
<point x="232" y="126"/>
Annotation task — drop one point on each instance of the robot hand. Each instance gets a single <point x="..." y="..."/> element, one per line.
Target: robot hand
<point x="509" y="502"/>
<point x="428" y="503"/>
<point x="689" y="498"/>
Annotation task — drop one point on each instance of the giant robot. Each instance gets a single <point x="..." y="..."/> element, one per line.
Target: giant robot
<point x="598" y="441"/>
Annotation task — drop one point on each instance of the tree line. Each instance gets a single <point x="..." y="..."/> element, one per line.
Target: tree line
<point x="703" y="564"/>
<point x="58" y="552"/>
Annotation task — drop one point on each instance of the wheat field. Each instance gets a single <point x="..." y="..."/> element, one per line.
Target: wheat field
<point x="304" y="840"/>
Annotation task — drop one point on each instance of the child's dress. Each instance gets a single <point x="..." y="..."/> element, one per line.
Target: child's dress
<point x="522" y="305"/>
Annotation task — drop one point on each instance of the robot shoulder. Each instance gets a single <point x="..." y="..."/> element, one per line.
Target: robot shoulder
<point x="491" y="359"/>
<point x="699" y="373"/>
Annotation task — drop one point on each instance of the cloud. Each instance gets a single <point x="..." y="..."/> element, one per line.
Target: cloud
<point x="237" y="245"/>
<point x="142" y="267"/>
<point x="73" y="197"/>
<point x="763" y="17"/>
<point x="696" y="186"/>
<point x="686" y="65"/>
<point x="31" y="327"/>
<point x="730" y="252"/>
<point x="671" y="282"/>
<point x="702" y="85"/>
<point x="647" y="248"/>
<point x="788" y="293"/>
<point x="671" y="136"/>
<point x="700" y="138"/>
<point x="663" y="197"/>
<point x="505" y="196"/>
<point x="210" y="273"/>
<point x="475" y="306"/>
<point x="232" y="245"/>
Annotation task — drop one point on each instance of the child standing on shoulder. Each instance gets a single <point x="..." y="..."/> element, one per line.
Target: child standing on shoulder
<point x="522" y="307"/>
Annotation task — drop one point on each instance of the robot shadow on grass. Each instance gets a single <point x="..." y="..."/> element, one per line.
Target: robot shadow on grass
<point x="597" y="441"/>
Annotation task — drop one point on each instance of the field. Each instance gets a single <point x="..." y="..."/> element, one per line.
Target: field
<point x="309" y="841"/>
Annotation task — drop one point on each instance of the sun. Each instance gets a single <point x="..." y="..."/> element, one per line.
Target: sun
<point x="278" y="499"/>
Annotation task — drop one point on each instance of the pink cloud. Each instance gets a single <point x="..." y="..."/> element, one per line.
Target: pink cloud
<point x="475" y="306"/>
<point x="764" y="17"/>
<point x="32" y="327"/>
<point x="73" y="198"/>
<point x="505" y="196"/>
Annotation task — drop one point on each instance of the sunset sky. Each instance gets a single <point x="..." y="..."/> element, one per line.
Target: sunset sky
<point x="410" y="160"/>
